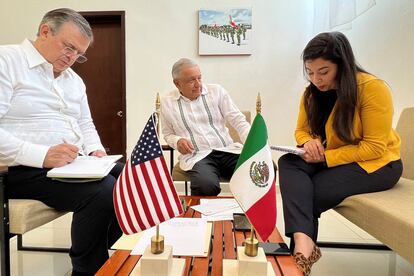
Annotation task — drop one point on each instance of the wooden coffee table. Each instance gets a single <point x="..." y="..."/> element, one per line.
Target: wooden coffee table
<point x="224" y="240"/>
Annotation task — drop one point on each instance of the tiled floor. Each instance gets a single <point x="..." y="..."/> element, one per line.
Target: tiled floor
<point x="333" y="227"/>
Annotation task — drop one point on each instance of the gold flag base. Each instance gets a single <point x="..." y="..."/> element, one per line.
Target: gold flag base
<point x="157" y="244"/>
<point x="251" y="247"/>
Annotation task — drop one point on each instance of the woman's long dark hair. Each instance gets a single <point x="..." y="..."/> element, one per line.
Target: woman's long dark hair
<point x="334" y="47"/>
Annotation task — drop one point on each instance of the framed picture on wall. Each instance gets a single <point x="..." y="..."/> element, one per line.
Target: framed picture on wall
<point x="225" y="32"/>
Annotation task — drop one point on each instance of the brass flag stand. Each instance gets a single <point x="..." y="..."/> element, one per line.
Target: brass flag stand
<point x="157" y="258"/>
<point x="157" y="241"/>
<point x="251" y="260"/>
<point x="252" y="244"/>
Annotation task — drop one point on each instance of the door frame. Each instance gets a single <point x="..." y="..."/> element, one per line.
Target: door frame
<point x="111" y="14"/>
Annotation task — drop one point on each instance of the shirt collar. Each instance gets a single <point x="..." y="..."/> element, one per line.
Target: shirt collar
<point x="177" y="93"/>
<point x="34" y="58"/>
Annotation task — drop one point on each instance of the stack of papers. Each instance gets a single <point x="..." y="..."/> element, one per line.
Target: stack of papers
<point x="129" y="242"/>
<point x="218" y="209"/>
<point x="186" y="236"/>
<point x="86" y="167"/>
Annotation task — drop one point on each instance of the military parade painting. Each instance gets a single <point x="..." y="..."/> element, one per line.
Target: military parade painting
<point x="225" y="32"/>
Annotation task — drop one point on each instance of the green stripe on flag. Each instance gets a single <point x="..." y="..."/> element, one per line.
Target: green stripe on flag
<point x="255" y="141"/>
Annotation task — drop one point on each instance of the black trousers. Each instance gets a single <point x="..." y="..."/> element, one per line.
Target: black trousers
<point x="308" y="190"/>
<point x="206" y="173"/>
<point x="94" y="225"/>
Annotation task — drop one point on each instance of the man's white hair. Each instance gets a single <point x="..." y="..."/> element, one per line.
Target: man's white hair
<point x="178" y="65"/>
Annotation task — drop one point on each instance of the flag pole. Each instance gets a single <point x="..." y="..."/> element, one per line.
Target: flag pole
<point x="251" y="244"/>
<point x="157" y="241"/>
<point x="258" y="104"/>
<point x="158" y="111"/>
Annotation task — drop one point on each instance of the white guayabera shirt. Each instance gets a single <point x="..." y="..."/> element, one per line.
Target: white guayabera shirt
<point x="38" y="110"/>
<point x="202" y="121"/>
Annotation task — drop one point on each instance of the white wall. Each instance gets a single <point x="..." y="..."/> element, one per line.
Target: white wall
<point x="160" y="32"/>
<point x="383" y="42"/>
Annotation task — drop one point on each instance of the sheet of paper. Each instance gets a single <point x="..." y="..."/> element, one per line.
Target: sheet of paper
<point x="289" y="149"/>
<point x="86" y="167"/>
<point x="213" y="206"/>
<point x="127" y="242"/>
<point x="235" y="148"/>
<point x="185" y="235"/>
<point x="223" y="214"/>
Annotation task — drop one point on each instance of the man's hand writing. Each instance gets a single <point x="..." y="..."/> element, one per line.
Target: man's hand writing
<point x="60" y="155"/>
<point x="184" y="146"/>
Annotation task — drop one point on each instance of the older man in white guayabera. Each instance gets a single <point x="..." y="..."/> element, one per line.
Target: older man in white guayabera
<point x="193" y="119"/>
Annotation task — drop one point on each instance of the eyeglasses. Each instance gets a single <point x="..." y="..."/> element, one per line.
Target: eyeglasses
<point x="70" y="52"/>
<point x="193" y="81"/>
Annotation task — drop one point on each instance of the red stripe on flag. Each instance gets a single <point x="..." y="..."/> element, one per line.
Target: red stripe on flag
<point x="150" y="186"/>
<point x="262" y="214"/>
<point x="142" y="198"/>
<point x="124" y="195"/>
<point x="128" y="195"/>
<point x="164" y="195"/>
<point x="172" y="187"/>
<point x="117" y="206"/>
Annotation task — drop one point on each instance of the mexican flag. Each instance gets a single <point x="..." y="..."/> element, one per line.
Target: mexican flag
<point x="253" y="182"/>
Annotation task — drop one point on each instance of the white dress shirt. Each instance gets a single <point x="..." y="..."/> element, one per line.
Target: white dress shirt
<point x="37" y="110"/>
<point x="202" y="121"/>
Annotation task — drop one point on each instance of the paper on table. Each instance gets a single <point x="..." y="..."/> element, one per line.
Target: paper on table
<point x="185" y="235"/>
<point x="128" y="242"/>
<point x="226" y="214"/>
<point x="213" y="206"/>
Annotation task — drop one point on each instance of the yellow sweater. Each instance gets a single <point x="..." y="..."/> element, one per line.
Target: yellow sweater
<point x="378" y="144"/>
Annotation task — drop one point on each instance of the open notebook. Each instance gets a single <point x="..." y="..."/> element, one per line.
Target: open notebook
<point x="85" y="167"/>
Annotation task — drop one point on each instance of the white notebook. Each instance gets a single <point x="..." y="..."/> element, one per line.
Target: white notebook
<point x="86" y="167"/>
<point x="288" y="149"/>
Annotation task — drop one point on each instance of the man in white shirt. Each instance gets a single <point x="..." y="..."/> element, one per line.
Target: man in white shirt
<point x="193" y="122"/>
<point x="45" y="122"/>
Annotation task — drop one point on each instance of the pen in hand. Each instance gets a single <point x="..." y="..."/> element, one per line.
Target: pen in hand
<point x="80" y="152"/>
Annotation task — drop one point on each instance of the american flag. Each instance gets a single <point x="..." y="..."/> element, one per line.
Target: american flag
<point x="144" y="194"/>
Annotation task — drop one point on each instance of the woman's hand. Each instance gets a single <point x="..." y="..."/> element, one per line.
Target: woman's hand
<point x="314" y="151"/>
<point x="310" y="159"/>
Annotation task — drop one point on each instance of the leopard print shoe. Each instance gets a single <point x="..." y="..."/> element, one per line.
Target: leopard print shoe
<point x="315" y="256"/>
<point x="305" y="264"/>
<point x="302" y="263"/>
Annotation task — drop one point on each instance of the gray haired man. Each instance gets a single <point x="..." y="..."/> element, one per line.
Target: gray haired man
<point x="44" y="122"/>
<point x="193" y="119"/>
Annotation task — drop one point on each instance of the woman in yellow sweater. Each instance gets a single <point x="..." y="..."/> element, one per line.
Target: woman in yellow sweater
<point x="344" y="126"/>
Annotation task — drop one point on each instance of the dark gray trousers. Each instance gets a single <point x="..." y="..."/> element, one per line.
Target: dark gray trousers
<point x="206" y="173"/>
<point x="308" y="190"/>
<point x="94" y="225"/>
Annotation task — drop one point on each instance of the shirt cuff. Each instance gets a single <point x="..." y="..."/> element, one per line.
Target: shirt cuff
<point x="94" y="147"/>
<point x="32" y="155"/>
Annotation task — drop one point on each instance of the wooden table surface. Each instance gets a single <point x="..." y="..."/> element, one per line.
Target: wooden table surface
<point x="224" y="240"/>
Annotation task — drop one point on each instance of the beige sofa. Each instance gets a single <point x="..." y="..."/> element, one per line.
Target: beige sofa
<point x="389" y="215"/>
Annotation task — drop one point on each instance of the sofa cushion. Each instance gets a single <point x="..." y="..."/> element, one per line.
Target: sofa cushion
<point x="388" y="216"/>
<point x="27" y="214"/>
